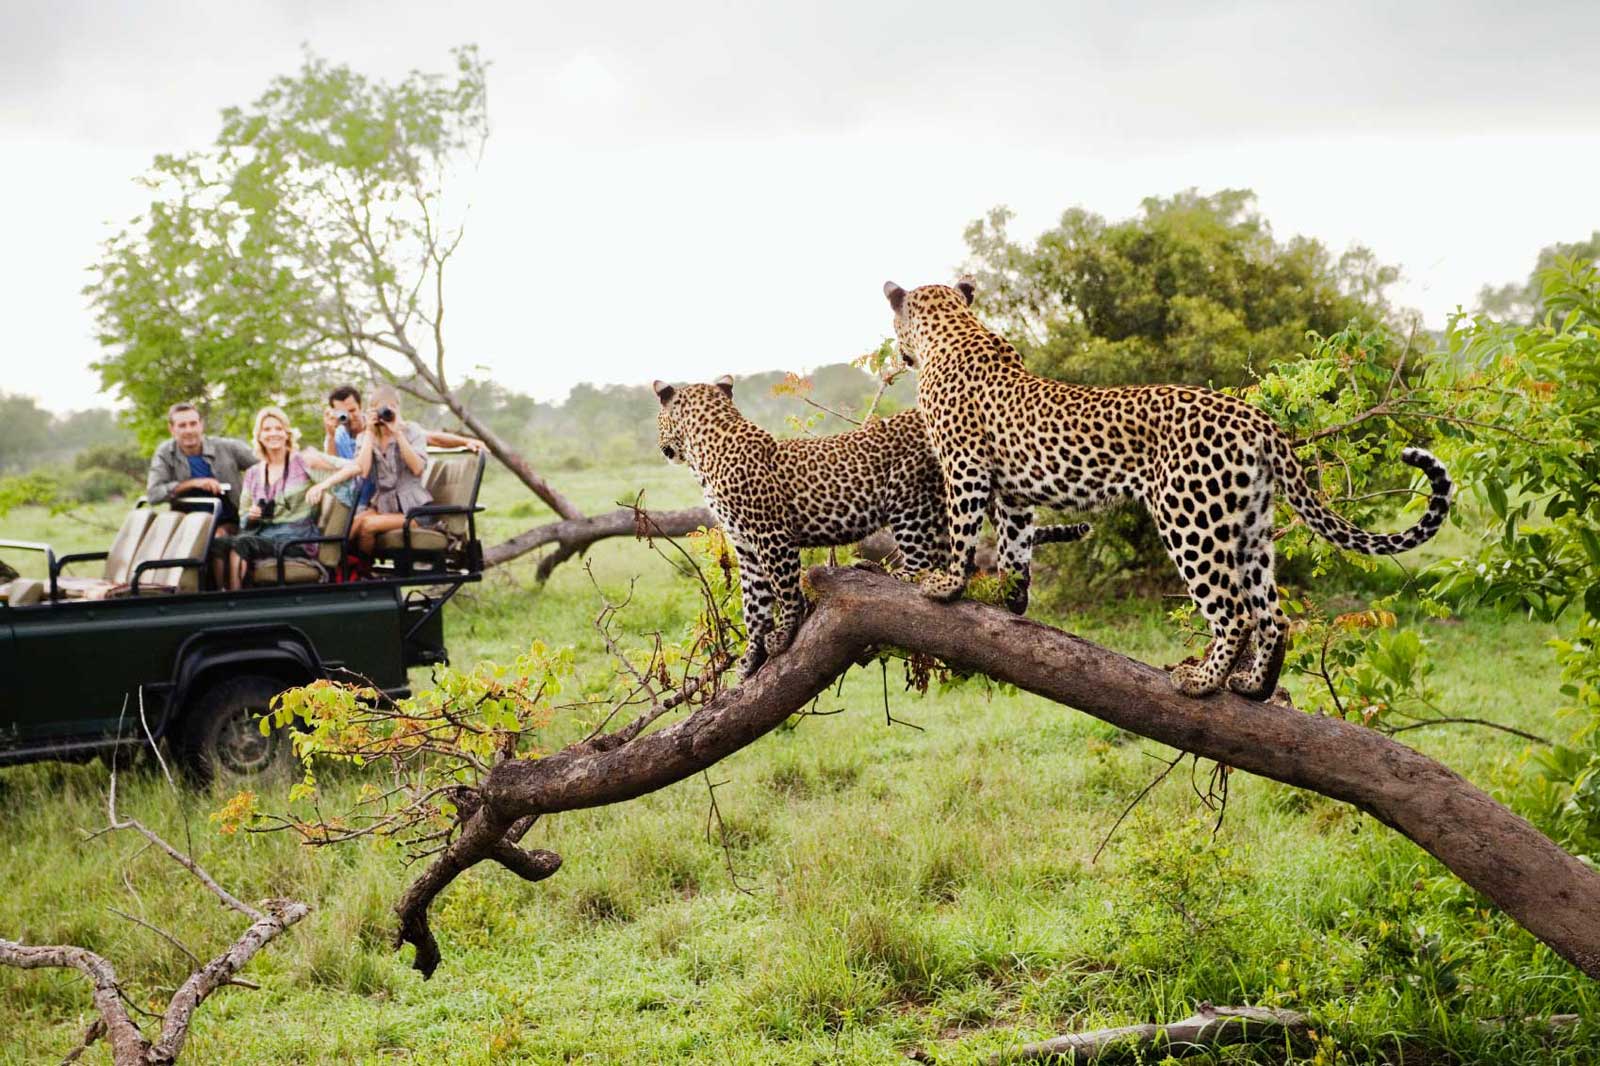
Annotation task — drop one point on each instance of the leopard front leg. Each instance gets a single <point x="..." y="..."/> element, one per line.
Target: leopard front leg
<point x="755" y="591"/>
<point x="967" y="491"/>
<point x="923" y="537"/>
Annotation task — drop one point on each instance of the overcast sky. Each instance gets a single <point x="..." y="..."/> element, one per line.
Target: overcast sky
<point x="666" y="183"/>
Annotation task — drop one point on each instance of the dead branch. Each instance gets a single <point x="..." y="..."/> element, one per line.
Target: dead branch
<point x="1552" y="894"/>
<point x="129" y="1046"/>
<point x="573" y="536"/>
<point x="1206" y="1029"/>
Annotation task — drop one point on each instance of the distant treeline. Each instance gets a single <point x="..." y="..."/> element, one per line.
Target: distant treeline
<point x="596" y="425"/>
<point x="607" y="425"/>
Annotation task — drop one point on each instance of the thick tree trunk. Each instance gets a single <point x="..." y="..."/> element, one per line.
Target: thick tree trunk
<point x="574" y="535"/>
<point x="1549" y="892"/>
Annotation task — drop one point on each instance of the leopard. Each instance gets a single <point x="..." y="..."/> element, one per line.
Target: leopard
<point x="1204" y="463"/>
<point x="773" y="497"/>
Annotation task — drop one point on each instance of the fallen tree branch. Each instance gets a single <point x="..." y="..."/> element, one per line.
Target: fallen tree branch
<point x="1208" y="1028"/>
<point x="1549" y="892"/>
<point x="129" y="1046"/>
<point x="573" y="536"/>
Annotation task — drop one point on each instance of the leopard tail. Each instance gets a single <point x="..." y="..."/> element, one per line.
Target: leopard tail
<point x="1060" y="534"/>
<point x="1291" y="477"/>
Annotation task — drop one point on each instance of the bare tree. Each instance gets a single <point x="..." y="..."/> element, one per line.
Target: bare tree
<point x="129" y="1045"/>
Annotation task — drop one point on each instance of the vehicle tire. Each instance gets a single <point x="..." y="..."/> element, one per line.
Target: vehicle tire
<point x="220" y="738"/>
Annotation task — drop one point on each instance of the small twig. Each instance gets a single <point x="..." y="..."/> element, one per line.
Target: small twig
<point x="1160" y="777"/>
<point x="889" y="719"/>
<point x="714" y="812"/>
<point x="162" y="933"/>
<point x="1525" y="735"/>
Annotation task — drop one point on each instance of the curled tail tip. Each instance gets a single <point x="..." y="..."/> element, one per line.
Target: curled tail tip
<point x="1422" y="459"/>
<point x="1061" y="534"/>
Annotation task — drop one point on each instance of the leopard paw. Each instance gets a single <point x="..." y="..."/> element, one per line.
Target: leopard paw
<point x="779" y="639"/>
<point x="1189" y="679"/>
<point x="941" y="585"/>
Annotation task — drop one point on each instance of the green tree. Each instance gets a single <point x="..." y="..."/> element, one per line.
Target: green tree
<point x="1193" y="289"/>
<point x="24" y="431"/>
<point x="310" y="241"/>
<point x="1524" y="302"/>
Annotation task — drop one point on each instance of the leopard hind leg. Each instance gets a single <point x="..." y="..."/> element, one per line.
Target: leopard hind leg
<point x="1256" y="675"/>
<point x="1014" y="529"/>
<point x="1199" y="532"/>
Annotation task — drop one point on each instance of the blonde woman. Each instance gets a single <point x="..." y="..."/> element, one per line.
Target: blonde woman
<point x="277" y="494"/>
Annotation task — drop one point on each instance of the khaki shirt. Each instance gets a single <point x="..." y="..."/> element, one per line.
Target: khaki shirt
<point x="229" y="460"/>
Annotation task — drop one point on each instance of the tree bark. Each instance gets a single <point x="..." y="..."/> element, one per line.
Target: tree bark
<point x="574" y="535"/>
<point x="1550" y="893"/>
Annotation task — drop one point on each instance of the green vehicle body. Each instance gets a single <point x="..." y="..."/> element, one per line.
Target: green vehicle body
<point x="84" y="676"/>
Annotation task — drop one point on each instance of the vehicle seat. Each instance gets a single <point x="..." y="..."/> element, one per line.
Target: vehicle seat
<point x="452" y="481"/>
<point x="333" y="520"/>
<point x="153" y="545"/>
<point x="23" y="592"/>
<point x="119" y="559"/>
<point x="188" y="541"/>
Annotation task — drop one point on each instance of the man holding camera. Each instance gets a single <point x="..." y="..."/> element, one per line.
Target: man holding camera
<point x="343" y="422"/>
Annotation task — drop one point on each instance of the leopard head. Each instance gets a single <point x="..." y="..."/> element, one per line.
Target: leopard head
<point x="917" y="310"/>
<point x="679" y="410"/>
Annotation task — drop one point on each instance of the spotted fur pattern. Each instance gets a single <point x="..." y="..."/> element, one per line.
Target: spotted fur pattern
<point x="773" y="497"/>
<point x="1205" y="464"/>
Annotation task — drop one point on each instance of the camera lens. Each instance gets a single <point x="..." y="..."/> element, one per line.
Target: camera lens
<point x="344" y="418"/>
<point x="386" y="414"/>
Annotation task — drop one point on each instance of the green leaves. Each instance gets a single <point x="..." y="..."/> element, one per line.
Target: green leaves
<point x="298" y="237"/>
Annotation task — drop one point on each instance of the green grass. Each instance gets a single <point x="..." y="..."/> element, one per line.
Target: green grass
<point x="894" y="887"/>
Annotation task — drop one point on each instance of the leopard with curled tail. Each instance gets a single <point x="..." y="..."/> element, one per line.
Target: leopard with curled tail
<point x="773" y="497"/>
<point x="1205" y="464"/>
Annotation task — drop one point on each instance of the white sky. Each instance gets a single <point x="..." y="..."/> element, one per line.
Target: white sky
<point x="682" y="190"/>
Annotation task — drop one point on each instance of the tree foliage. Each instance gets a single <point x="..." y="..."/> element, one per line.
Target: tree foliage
<point x="1194" y="289"/>
<point x="311" y="233"/>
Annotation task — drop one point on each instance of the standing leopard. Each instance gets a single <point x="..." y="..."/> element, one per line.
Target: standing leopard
<point x="773" y="497"/>
<point x="1204" y="463"/>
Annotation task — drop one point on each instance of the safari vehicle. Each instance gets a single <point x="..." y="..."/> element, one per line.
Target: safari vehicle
<point x="145" y="652"/>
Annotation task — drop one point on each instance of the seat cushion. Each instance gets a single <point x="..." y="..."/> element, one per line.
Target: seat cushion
<point x="23" y="592"/>
<point x="188" y="541"/>
<point x="428" y="540"/>
<point x="301" y="571"/>
<point x="119" y="556"/>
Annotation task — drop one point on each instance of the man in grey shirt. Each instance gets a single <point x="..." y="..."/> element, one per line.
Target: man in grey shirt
<point x="192" y="464"/>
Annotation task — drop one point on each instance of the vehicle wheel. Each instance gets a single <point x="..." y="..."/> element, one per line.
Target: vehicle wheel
<point x="220" y="739"/>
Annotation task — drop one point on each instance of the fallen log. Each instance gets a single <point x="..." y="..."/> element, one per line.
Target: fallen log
<point x="1206" y="1029"/>
<point x="1546" y="890"/>
<point x="572" y="536"/>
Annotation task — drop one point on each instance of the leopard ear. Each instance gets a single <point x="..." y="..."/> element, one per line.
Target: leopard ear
<point x="725" y="383"/>
<point x="664" y="392"/>
<point x="896" y="295"/>
<point x="967" y="287"/>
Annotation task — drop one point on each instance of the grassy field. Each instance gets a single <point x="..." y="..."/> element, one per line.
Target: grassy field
<point x="886" y="888"/>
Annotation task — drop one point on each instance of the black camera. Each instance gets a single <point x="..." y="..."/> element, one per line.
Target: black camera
<point x="386" y="414"/>
<point x="267" y="508"/>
